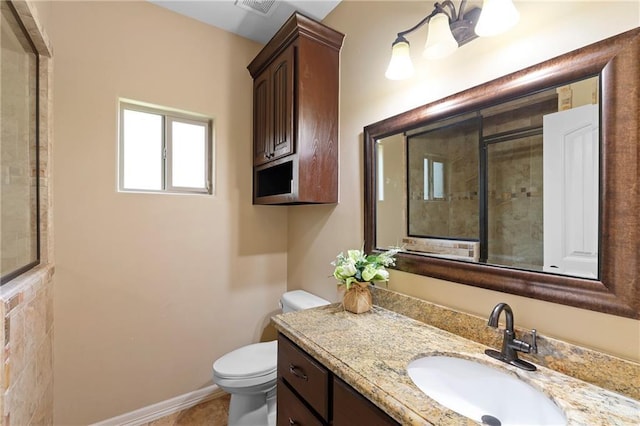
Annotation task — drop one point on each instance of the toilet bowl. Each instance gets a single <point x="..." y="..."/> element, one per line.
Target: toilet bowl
<point x="249" y="373"/>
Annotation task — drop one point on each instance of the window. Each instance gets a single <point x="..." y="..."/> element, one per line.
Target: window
<point x="19" y="149"/>
<point x="164" y="151"/>
<point x="433" y="179"/>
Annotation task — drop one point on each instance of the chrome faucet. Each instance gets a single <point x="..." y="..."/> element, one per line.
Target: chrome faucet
<point x="510" y="345"/>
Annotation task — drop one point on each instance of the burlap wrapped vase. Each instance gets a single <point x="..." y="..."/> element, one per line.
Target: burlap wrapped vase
<point x="358" y="298"/>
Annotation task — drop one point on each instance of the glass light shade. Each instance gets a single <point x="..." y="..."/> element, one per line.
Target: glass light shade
<point x="497" y="17"/>
<point x="440" y="41"/>
<point x="400" y="66"/>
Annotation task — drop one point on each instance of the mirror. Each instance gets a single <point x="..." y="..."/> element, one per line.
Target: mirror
<point x="472" y="186"/>
<point x="526" y="184"/>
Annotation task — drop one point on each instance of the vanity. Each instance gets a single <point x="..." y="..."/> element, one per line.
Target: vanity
<point x="358" y="363"/>
<point x="308" y="390"/>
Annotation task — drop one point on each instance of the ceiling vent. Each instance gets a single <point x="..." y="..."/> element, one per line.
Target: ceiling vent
<point x="261" y="7"/>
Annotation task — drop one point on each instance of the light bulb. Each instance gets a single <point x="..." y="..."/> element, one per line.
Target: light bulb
<point x="400" y="66"/>
<point x="497" y="16"/>
<point x="440" y="40"/>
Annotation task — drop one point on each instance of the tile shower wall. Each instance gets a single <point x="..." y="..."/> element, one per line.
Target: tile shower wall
<point x="27" y="375"/>
<point x="26" y="303"/>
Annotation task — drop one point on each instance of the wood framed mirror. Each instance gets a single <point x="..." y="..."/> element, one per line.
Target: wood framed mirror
<point x="616" y="288"/>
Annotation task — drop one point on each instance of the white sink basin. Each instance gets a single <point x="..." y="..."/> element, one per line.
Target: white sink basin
<point x="482" y="393"/>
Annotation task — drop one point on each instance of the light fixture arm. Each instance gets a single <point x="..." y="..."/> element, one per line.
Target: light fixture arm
<point x="426" y="19"/>
<point x="453" y="15"/>
<point x="437" y="8"/>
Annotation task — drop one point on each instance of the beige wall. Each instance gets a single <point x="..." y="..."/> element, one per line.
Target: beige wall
<point x="546" y="29"/>
<point x="151" y="289"/>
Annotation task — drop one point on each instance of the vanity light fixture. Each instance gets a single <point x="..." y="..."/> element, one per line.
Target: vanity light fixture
<point x="448" y="29"/>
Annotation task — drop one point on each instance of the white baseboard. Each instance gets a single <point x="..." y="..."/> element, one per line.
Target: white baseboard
<point x="164" y="408"/>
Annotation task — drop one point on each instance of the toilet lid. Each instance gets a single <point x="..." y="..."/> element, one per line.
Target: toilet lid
<point x="254" y="360"/>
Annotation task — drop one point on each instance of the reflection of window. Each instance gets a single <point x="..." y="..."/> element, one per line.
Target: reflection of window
<point x="433" y="179"/>
<point x="20" y="169"/>
<point x="161" y="151"/>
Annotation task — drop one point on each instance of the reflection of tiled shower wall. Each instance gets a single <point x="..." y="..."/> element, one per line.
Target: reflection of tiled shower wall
<point x="26" y="303"/>
<point x="515" y="187"/>
<point x="515" y="203"/>
<point x="457" y="216"/>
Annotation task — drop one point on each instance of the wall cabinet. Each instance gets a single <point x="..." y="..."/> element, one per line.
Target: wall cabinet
<point x="273" y="110"/>
<point x="295" y="114"/>
<point x="309" y="394"/>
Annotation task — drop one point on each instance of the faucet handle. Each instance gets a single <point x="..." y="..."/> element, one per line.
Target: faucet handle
<point x="524" y="346"/>
<point x="534" y="343"/>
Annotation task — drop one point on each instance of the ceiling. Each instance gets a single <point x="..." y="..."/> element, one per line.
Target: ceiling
<point x="257" y="20"/>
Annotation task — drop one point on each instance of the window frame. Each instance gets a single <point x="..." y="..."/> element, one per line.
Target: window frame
<point x="168" y="116"/>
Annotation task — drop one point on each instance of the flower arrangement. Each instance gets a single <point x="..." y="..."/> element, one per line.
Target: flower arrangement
<point x="356" y="266"/>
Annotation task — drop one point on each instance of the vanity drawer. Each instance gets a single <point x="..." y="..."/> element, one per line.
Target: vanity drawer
<point x="305" y="376"/>
<point x="291" y="410"/>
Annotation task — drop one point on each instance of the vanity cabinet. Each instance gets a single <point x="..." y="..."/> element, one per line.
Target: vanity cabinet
<point x="295" y="114"/>
<point x="351" y="408"/>
<point x="309" y="394"/>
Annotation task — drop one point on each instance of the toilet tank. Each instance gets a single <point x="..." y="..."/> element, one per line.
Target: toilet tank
<point x="298" y="300"/>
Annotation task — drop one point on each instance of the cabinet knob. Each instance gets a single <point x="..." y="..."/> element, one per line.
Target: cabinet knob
<point x="292" y="422"/>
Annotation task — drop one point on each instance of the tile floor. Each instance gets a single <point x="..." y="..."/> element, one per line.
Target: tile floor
<point x="209" y="413"/>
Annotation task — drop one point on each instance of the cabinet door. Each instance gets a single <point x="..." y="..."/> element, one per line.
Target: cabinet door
<point x="282" y="93"/>
<point x="350" y="408"/>
<point x="261" y="119"/>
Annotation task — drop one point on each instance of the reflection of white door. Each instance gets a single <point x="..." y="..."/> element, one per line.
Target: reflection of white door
<point x="570" y="154"/>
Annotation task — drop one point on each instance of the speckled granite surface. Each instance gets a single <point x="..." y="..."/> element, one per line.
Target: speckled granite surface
<point x="603" y="370"/>
<point x="371" y="351"/>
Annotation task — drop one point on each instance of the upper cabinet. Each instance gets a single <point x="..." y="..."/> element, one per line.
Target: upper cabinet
<point x="295" y="114"/>
<point x="273" y="109"/>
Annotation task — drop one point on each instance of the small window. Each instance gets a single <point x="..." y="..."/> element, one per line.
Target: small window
<point x="433" y="179"/>
<point x="164" y="151"/>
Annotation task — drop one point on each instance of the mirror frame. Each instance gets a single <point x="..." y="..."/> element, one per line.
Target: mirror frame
<point x="617" y="291"/>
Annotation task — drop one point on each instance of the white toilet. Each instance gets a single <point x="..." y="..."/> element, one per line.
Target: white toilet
<point x="249" y="373"/>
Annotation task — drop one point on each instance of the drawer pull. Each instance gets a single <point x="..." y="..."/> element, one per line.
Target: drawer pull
<point x="298" y="372"/>
<point x="292" y="422"/>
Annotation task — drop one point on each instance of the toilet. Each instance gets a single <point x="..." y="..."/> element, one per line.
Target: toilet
<point x="249" y="373"/>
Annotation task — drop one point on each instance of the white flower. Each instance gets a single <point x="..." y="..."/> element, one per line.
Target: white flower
<point x="345" y="270"/>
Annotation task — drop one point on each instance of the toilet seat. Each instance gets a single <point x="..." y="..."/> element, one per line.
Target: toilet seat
<point x="255" y="363"/>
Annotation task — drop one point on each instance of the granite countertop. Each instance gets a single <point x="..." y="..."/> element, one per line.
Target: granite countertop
<point x="371" y="351"/>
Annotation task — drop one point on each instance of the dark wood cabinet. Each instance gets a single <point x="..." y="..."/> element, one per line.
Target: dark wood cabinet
<point x="272" y="109"/>
<point x="304" y="375"/>
<point x="309" y="394"/>
<point x="295" y="114"/>
<point x="350" y="408"/>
